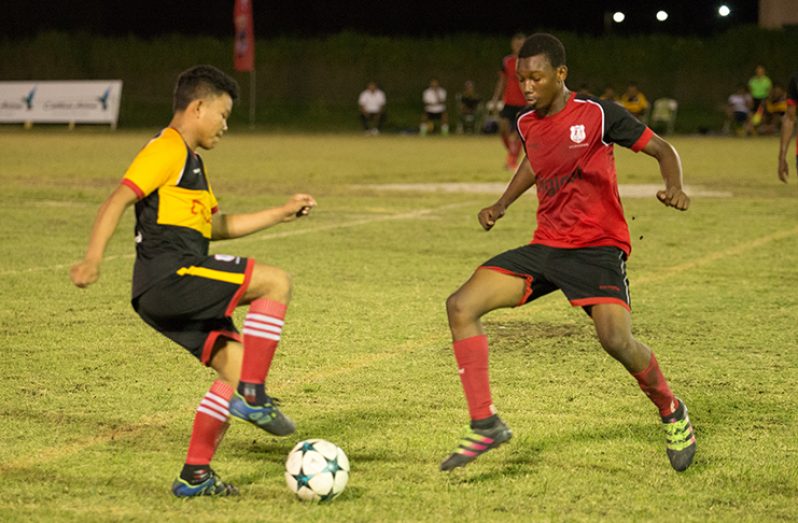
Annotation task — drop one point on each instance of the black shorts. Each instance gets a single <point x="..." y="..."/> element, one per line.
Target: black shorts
<point x="433" y="116"/>
<point x="509" y="112"/>
<point x="587" y="276"/>
<point x="194" y="306"/>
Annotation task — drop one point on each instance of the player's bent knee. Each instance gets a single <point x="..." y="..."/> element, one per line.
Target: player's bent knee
<point x="458" y="311"/>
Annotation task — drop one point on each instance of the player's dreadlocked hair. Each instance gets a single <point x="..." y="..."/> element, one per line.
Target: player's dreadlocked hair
<point x="201" y="81"/>
<point x="545" y="44"/>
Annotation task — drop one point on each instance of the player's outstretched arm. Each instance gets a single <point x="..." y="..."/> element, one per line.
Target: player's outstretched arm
<point x="228" y="226"/>
<point x="523" y="179"/>
<point x="787" y="128"/>
<point x="87" y="271"/>
<point x="670" y="166"/>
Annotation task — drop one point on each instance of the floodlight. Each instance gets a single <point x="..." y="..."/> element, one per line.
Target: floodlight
<point x="724" y="10"/>
<point x="662" y="16"/>
<point x="618" y="17"/>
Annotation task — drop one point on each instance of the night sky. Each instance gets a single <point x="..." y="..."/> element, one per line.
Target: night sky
<point x="149" y="18"/>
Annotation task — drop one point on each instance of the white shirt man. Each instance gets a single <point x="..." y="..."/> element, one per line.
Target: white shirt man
<point x="372" y="107"/>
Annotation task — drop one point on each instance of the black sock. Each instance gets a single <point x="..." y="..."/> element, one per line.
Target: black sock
<point x="195" y="474"/>
<point x="485" y="423"/>
<point x="254" y="393"/>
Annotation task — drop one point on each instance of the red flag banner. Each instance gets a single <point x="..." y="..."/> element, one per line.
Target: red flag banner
<point x="244" y="48"/>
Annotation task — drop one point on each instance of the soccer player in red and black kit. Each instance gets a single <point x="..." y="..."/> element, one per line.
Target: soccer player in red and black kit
<point x="189" y="296"/>
<point x="580" y="245"/>
<point x="787" y="129"/>
<point x="508" y="88"/>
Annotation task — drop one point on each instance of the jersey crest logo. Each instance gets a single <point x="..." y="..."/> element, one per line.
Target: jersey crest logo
<point x="578" y="133"/>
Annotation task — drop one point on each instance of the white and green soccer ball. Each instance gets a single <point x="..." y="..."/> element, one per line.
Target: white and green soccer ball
<point x="316" y="470"/>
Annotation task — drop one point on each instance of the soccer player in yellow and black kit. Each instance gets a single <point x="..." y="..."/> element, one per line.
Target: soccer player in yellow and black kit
<point x="189" y="296"/>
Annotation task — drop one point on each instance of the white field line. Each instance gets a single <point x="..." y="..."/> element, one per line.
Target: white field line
<point x="410" y="215"/>
<point x="625" y="190"/>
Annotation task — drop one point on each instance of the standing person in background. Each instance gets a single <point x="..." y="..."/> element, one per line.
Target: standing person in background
<point x="513" y="101"/>
<point x="787" y="129"/>
<point x="372" y="108"/>
<point x="759" y="86"/>
<point x="434" y="115"/>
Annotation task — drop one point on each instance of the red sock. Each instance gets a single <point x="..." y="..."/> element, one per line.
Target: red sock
<point x="653" y="383"/>
<point x="262" y="327"/>
<point x="514" y="147"/>
<point x="472" y="362"/>
<point x="210" y="423"/>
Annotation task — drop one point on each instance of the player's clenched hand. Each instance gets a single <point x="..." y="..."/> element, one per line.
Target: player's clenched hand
<point x="84" y="273"/>
<point x="489" y="215"/>
<point x="784" y="171"/>
<point x="297" y="206"/>
<point x="674" y="197"/>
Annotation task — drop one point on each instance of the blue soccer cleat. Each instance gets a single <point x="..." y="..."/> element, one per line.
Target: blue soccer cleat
<point x="212" y="486"/>
<point x="265" y="416"/>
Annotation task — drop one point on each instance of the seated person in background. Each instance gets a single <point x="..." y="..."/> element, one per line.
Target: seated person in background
<point x="434" y="98"/>
<point x="635" y="102"/>
<point x="775" y="107"/>
<point x="372" y="108"/>
<point x="584" y="90"/>
<point x="738" y="111"/>
<point x="469" y="107"/>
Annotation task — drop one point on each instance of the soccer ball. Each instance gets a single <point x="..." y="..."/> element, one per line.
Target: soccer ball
<point x="316" y="470"/>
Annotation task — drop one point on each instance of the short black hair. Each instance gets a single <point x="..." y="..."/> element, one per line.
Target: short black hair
<point x="201" y="81"/>
<point x="545" y="44"/>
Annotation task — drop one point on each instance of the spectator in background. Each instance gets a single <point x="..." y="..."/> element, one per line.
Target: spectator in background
<point x="634" y="101"/>
<point x="759" y="86"/>
<point x="787" y="128"/>
<point x="738" y="111"/>
<point x="774" y="109"/>
<point x="512" y="101"/>
<point x="372" y="108"/>
<point x="434" y="116"/>
<point x="469" y="108"/>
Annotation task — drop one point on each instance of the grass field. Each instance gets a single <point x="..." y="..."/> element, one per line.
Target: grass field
<point x="96" y="408"/>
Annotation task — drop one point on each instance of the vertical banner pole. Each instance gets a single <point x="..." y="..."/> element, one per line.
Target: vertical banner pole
<point x="252" y="98"/>
<point x="244" y="48"/>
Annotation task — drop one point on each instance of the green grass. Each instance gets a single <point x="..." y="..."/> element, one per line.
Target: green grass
<point x="96" y="407"/>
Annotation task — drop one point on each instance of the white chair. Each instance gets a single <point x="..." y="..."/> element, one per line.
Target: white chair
<point x="664" y="112"/>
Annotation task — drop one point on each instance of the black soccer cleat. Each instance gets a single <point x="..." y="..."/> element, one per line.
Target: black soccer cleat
<point x="680" y="442"/>
<point x="476" y="443"/>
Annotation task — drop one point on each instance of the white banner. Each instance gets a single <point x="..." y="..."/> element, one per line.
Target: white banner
<point x="89" y="101"/>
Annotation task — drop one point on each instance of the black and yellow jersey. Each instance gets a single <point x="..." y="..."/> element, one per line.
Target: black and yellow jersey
<point x="173" y="214"/>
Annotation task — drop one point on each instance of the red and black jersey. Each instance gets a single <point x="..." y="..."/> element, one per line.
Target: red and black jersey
<point x="571" y="153"/>
<point x="792" y="90"/>
<point x="512" y="88"/>
<point x="792" y="99"/>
